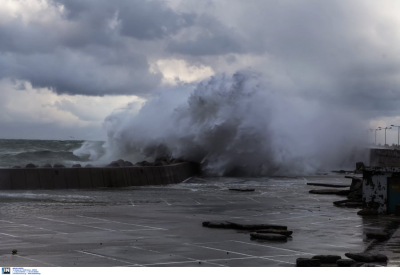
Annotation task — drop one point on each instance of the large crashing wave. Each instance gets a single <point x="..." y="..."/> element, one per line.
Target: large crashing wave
<point x="233" y="125"/>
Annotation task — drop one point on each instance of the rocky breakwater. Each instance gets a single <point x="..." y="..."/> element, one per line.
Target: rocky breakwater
<point x="118" y="173"/>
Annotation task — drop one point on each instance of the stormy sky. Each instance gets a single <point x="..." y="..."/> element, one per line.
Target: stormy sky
<point x="65" y="65"/>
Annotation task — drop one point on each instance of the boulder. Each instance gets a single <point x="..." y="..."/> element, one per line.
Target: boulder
<point x="367" y="257"/>
<point x="173" y="161"/>
<point x="356" y="264"/>
<point x="327" y="259"/>
<point x="30" y="165"/>
<point x="306" y="262"/>
<point x="76" y="166"/>
<point x="113" y="164"/>
<point x="345" y="262"/>
<point x="328" y="185"/>
<point x="238" y="226"/>
<point x="380" y="236"/>
<point x="127" y="164"/>
<point x="143" y="163"/>
<point x="270" y="237"/>
<point x="275" y="231"/>
<point x="58" y="165"/>
<point x="88" y="166"/>
<point x="368" y="212"/>
<point x="343" y="192"/>
<point x="356" y="184"/>
<point x="359" y="166"/>
<point x="242" y="189"/>
<point x="324" y="191"/>
<point x="339" y="203"/>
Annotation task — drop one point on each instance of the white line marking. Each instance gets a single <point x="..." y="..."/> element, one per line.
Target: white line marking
<point x="253" y="199"/>
<point x="131" y="202"/>
<point x="165" y="201"/>
<point x="36" y="260"/>
<point x="196" y="201"/>
<point x="9" y="235"/>
<point x="296" y="217"/>
<point x="273" y="247"/>
<point x="106" y="229"/>
<point x="109" y="258"/>
<point x="121" y="222"/>
<point x="368" y="224"/>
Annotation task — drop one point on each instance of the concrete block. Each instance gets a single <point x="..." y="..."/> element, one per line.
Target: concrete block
<point x="46" y="178"/>
<point x="127" y="176"/>
<point x="60" y="178"/>
<point x="97" y="177"/>
<point x="134" y="172"/>
<point x="120" y="177"/>
<point x="109" y="177"/>
<point x="142" y="176"/>
<point x="71" y="178"/>
<point x="5" y="179"/>
<point x="32" y="178"/>
<point x="18" y="179"/>
<point x="157" y="175"/>
<point x="85" y="180"/>
<point x="148" y="171"/>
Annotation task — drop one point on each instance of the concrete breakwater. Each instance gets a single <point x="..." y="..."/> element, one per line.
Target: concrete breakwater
<point x="94" y="177"/>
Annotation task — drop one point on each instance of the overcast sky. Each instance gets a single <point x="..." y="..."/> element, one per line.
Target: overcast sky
<point x="65" y="65"/>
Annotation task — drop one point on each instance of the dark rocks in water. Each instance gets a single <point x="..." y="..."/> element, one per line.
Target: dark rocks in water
<point x="345" y="262"/>
<point x="343" y="202"/>
<point x="327" y="259"/>
<point x="89" y="166"/>
<point x="270" y="237"/>
<point x="275" y="231"/>
<point x="380" y="236"/>
<point x="76" y="166"/>
<point x="367" y="257"/>
<point x="368" y="212"/>
<point x="143" y="163"/>
<point x="359" y="166"/>
<point x="242" y="189"/>
<point x="46" y="166"/>
<point x="161" y="161"/>
<point x="30" y="165"/>
<point x="16" y="167"/>
<point x="356" y="195"/>
<point x="113" y="164"/>
<point x="58" y="165"/>
<point x="356" y="184"/>
<point x="231" y="225"/>
<point x="174" y="161"/>
<point x="324" y="191"/>
<point x="306" y="262"/>
<point x="127" y="163"/>
<point x="328" y="185"/>
<point x="343" y="192"/>
<point x="353" y="204"/>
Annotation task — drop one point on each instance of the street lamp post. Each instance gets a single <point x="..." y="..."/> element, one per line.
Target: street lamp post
<point x="398" y="133"/>
<point x="375" y="134"/>
<point x="385" y="133"/>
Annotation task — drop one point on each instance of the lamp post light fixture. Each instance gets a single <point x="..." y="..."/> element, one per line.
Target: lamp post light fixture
<point x="398" y="132"/>
<point x="375" y="134"/>
<point x="385" y="132"/>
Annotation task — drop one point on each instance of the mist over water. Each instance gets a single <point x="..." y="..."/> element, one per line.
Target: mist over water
<point x="236" y="125"/>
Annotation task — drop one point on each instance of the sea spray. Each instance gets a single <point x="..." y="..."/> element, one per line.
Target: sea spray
<point x="236" y="125"/>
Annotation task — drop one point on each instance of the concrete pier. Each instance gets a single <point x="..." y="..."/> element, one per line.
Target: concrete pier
<point x="94" y="177"/>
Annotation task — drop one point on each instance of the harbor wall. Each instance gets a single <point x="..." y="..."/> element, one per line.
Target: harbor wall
<point x="95" y="177"/>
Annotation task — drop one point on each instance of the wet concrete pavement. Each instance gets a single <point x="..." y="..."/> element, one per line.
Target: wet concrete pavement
<point x="161" y="225"/>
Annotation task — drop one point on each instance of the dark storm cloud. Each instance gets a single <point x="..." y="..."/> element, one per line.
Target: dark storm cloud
<point x="213" y="38"/>
<point x="85" y="48"/>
